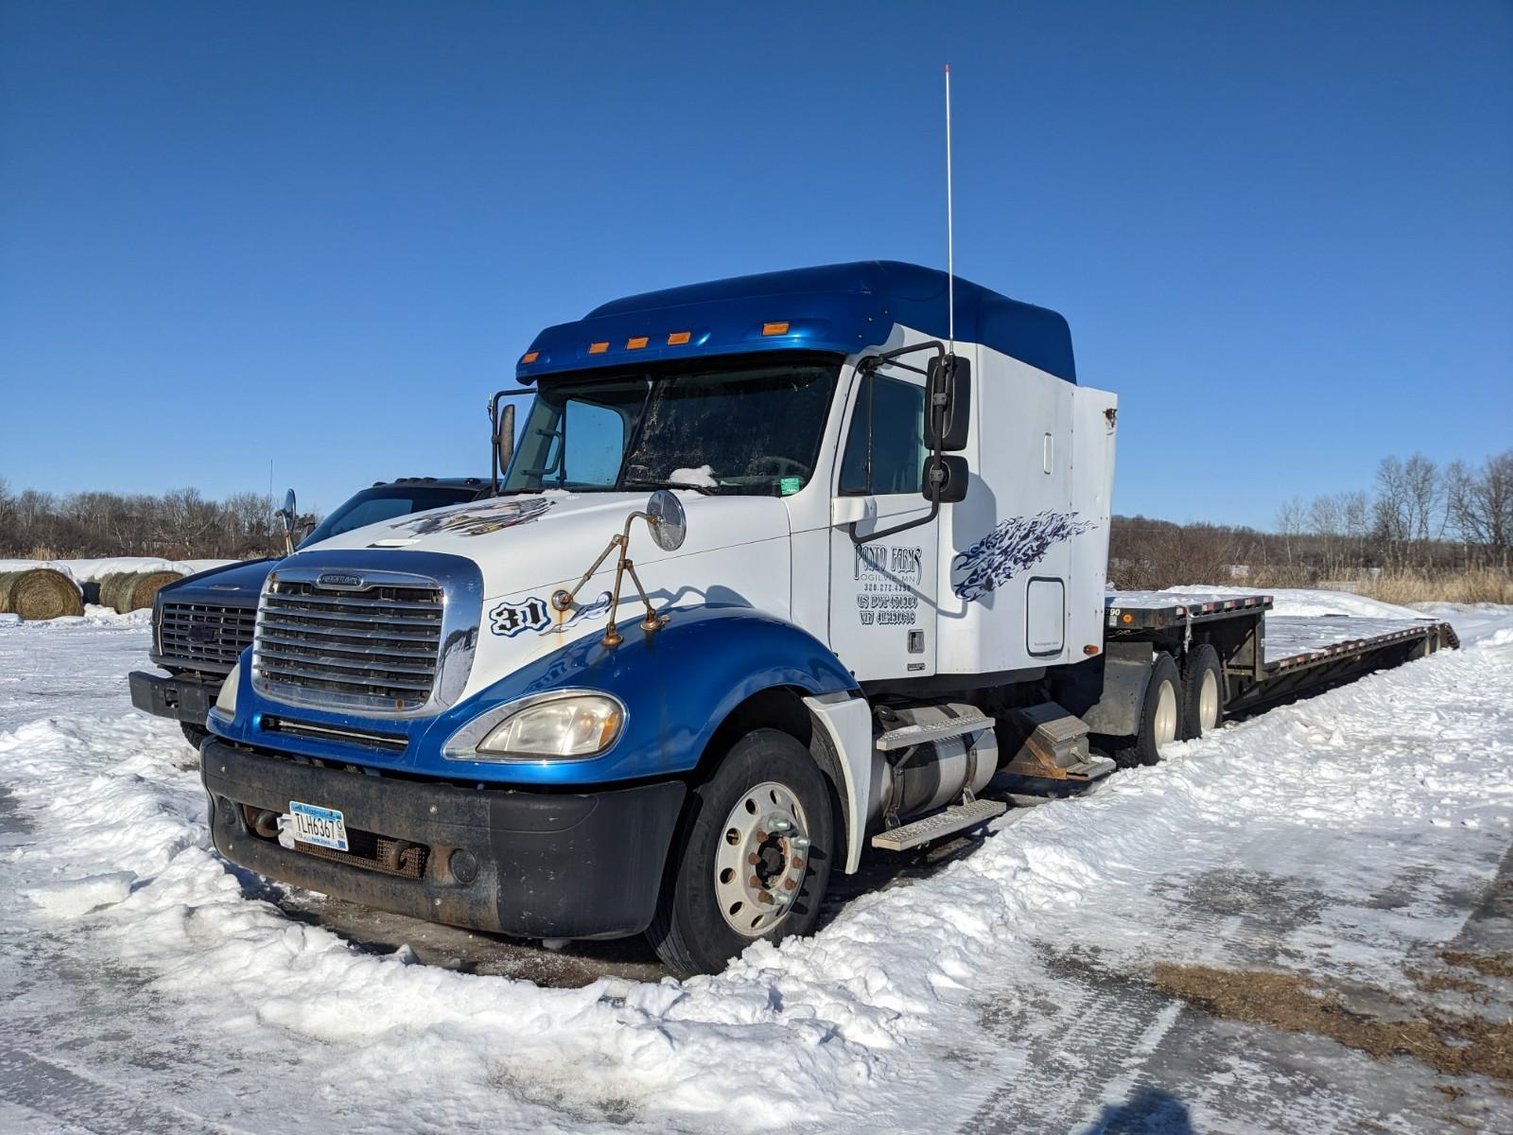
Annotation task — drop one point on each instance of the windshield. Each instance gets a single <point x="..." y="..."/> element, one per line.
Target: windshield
<point x="750" y="426"/>
<point x="385" y="502"/>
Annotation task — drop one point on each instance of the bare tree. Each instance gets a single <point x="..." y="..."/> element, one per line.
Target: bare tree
<point x="1480" y="504"/>
<point x="1292" y="522"/>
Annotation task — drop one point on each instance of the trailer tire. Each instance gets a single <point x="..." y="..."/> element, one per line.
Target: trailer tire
<point x="1202" y="692"/>
<point x="710" y="908"/>
<point x="1160" y="715"/>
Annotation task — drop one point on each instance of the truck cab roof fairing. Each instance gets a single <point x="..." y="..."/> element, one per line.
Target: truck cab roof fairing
<point x="837" y="307"/>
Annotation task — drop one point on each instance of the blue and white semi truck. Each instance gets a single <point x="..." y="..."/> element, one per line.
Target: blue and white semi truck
<point x="783" y="569"/>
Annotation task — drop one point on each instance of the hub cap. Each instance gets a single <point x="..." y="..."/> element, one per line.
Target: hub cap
<point x="1208" y="701"/>
<point x="760" y="860"/>
<point x="1165" y="725"/>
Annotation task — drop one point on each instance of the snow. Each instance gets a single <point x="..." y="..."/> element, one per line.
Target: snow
<point x="703" y="475"/>
<point x="95" y="570"/>
<point x="146" y="985"/>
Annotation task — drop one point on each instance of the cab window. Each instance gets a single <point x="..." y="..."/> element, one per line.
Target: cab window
<point x="894" y="463"/>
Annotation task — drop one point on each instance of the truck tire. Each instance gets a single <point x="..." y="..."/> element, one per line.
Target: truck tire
<point x="1160" y="715"/>
<point x="1202" y="692"/>
<point x="193" y="733"/>
<point x="743" y="838"/>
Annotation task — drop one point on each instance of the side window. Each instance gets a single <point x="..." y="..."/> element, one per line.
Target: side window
<point x="897" y="413"/>
<point x="594" y="442"/>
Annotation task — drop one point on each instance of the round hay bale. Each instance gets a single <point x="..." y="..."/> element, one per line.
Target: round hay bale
<point x="39" y="593"/>
<point x="133" y="590"/>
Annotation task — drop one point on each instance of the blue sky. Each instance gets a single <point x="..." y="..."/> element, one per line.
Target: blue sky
<point x="321" y="233"/>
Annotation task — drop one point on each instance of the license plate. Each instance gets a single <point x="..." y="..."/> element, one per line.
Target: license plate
<point x="322" y="827"/>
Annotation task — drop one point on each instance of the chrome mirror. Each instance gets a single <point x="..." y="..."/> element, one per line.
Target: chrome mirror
<point x="286" y="515"/>
<point x="667" y="520"/>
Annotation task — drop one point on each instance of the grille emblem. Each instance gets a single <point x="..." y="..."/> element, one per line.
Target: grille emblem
<point x="203" y="633"/>
<point x="338" y="579"/>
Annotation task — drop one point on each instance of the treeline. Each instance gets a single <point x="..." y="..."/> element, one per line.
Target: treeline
<point x="179" y="524"/>
<point x="1420" y="520"/>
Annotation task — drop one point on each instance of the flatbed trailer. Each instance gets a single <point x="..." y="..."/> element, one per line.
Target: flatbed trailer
<point x="1268" y="658"/>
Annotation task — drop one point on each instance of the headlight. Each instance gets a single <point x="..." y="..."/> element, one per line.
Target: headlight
<point x="571" y="725"/>
<point x="225" y="701"/>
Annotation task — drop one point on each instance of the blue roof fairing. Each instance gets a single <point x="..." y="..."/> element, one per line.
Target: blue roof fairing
<point x="837" y="307"/>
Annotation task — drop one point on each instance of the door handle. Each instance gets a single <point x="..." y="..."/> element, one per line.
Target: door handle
<point x="852" y="510"/>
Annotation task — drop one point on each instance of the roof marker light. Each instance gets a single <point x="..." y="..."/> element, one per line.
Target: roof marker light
<point x="530" y="356"/>
<point x="678" y="338"/>
<point x="598" y="348"/>
<point x="775" y="328"/>
<point x="635" y="343"/>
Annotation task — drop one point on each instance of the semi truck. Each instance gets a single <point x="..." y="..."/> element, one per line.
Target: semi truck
<point x="203" y="622"/>
<point x="784" y="570"/>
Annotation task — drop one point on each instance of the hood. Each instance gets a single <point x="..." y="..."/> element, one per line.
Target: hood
<point x="525" y="542"/>
<point x="228" y="584"/>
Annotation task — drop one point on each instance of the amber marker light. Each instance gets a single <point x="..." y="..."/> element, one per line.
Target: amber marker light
<point x="678" y="338"/>
<point x="530" y="356"/>
<point x="775" y="328"/>
<point x="636" y="343"/>
<point x="1129" y="618"/>
<point x="598" y="348"/>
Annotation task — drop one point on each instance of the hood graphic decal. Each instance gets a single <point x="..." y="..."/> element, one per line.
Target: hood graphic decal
<point x="1013" y="546"/>
<point x="477" y="519"/>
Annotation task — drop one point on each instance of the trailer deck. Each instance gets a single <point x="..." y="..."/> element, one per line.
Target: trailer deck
<point x="1269" y="657"/>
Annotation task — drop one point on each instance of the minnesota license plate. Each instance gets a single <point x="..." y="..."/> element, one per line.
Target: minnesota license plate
<point x="323" y="827"/>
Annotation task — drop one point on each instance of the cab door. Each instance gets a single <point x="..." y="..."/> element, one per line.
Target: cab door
<point x="882" y="592"/>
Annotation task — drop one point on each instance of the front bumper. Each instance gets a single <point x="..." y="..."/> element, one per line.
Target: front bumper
<point x="181" y="698"/>
<point x="531" y="864"/>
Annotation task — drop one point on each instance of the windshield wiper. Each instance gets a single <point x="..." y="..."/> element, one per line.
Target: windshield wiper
<point x="653" y="483"/>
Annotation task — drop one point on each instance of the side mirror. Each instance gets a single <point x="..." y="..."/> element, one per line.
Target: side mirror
<point x="948" y="391"/>
<point x="503" y="417"/>
<point x="945" y="479"/>
<point x="668" y="522"/>
<point x="286" y="514"/>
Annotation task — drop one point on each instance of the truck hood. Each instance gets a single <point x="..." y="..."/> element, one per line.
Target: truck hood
<point x="228" y="585"/>
<point x="522" y="543"/>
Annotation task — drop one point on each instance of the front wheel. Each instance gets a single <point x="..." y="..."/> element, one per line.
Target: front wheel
<point x="754" y="856"/>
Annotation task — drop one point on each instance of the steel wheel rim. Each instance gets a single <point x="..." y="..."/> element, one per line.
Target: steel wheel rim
<point x="760" y="859"/>
<point x="1208" y="701"/>
<point x="1164" y="727"/>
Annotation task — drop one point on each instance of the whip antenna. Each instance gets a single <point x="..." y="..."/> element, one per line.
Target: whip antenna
<point x="950" y="233"/>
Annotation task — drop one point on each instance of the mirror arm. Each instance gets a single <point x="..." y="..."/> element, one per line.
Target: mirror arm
<point x="936" y="452"/>
<point x="897" y="528"/>
<point x="562" y="600"/>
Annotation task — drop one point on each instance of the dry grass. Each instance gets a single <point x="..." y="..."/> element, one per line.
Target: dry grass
<point x="1453" y="1045"/>
<point x="1479" y="585"/>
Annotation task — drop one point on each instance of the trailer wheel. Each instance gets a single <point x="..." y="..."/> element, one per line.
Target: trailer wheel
<point x="1160" y="715"/>
<point x="1202" y="692"/>
<point x="753" y="856"/>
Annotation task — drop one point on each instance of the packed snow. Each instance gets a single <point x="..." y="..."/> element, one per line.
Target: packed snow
<point x="148" y="986"/>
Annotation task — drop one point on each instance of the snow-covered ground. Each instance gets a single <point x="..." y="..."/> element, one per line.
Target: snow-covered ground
<point x="146" y="986"/>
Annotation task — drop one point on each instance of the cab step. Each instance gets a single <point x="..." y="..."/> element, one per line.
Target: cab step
<point x="948" y="821"/>
<point x="970" y="720"/>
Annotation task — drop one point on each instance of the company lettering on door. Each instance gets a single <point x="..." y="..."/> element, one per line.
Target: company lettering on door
<point x="887" y="579"/>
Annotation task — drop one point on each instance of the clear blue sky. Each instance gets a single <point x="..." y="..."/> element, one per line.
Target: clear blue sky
<point x="321" y="233"/>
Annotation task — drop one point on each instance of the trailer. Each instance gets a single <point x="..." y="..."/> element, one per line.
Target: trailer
<point x="782" y="570"/>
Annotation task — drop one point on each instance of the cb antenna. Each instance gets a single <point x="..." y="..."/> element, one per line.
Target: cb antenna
<point x="950" y="230"/>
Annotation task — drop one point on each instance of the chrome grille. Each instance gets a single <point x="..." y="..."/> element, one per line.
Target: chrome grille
<point x="373" y="647"/>
<point x="204" y="636"/>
